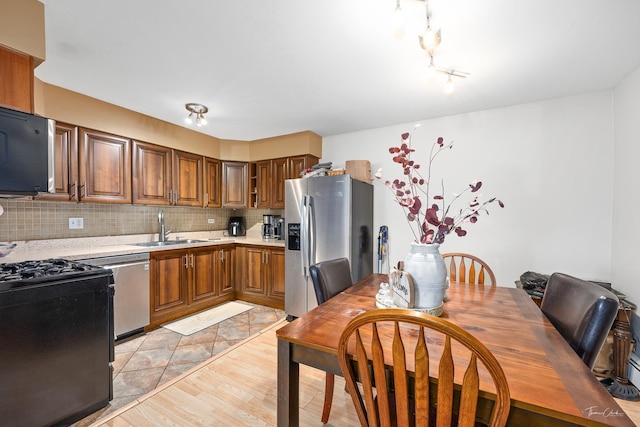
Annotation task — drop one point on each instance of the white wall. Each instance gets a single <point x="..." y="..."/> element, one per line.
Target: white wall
<point x="550" y="163"/>
<point x="626" y="234"/>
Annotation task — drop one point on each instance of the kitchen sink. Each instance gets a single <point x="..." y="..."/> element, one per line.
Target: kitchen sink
<point x="169" y="242"/>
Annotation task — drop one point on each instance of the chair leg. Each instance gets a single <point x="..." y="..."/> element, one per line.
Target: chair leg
<point x="328" y="397"/>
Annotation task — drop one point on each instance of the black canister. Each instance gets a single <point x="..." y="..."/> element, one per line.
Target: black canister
<point x="236" y="226"/>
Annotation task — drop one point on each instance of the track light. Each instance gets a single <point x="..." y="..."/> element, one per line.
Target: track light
<point x="196" y="111"/>
<point x="448" y="86"/>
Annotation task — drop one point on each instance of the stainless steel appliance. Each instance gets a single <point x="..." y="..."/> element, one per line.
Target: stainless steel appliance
<point x="26" y="154"/>
<point x="236" y="226"/>
<point x="57" y="342"/>
<point x="269" y="226"/>
<point x="326" y="218"/>
<point x="131" y="311"/>
<point x="279" y="231"/>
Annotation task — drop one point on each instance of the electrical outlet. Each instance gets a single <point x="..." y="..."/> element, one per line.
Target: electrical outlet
<point x="211" y="221"/>
<point x="76" y="223"/>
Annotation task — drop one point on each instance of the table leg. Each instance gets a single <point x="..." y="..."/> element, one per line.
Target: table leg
<point x="288" y="387"/>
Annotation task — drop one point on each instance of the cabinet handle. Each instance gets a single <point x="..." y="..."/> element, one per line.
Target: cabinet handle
<point x="175" y="197"/>
<point x="191" y="256"/>
<point x="170" y="197"/>
<point x="84" y="190"/>
<point x="206" y="200"/>
<point x="222" y="255"/>
<point x="74" y="186"/>
<point x="186" y="261"/>
<point x="266" y="256"/>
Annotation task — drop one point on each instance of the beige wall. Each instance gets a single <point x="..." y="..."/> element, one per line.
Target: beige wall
<point x="22" y="27"/>
<point x="71" y="107"/>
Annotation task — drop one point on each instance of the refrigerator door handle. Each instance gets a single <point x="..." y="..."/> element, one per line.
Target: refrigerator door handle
<point x="311" y="259"/>
<point x="304" y="234"/>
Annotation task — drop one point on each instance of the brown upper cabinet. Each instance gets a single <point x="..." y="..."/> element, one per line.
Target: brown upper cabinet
<point x="235" y="177"/>
<point x="212" y="183"/>
<point x="297" y="164"/>
<point x="66" y="164"/>
<point x="268" y="176"/>
<point x="104" y="167"/>
<point x="90" y="166"/>
<point x="163" y="176"/>
<point x="16" y="75"/>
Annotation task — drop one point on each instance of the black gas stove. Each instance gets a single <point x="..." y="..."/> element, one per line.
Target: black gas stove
<point x="33" y="272"/>
<point x="57" y="341"/>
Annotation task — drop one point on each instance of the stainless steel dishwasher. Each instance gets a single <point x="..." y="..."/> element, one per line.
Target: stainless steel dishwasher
<point x="131" y="299"/>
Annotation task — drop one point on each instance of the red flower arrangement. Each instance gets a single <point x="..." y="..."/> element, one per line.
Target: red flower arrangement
<point x="431" y="224"/>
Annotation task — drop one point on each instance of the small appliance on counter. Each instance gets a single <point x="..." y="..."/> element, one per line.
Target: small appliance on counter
<point x="236" y="226"/>
<point x="270" y="226"/>
<point x="279" y="233"/>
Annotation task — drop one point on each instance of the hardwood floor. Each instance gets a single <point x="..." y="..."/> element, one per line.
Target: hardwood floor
<point x="238" y="387"/>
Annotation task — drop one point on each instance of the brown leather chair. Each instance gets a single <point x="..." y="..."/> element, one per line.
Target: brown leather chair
<point x="329" y="279"/>
<point x="581" y="311"/>
<point x="466" y="268"/>
<point x="405" y="338"/>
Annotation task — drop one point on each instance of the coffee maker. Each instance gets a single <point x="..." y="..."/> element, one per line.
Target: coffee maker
<point x="236" y="226"/>
<point x="269" y="226"/>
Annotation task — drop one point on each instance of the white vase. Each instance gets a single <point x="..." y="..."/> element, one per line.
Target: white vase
<point x="429" y="273"/>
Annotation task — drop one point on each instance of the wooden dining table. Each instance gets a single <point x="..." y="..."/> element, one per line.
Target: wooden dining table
<point x="549" y="384"/>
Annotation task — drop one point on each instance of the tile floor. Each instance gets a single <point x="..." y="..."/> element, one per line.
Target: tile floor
<point x="144" y="362"/>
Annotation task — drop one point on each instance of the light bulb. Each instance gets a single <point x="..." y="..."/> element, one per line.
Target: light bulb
<point x="448" y="87"/>
<point x="189" y="119"/>
<point x="203" y="121"/>
<point x="430" y="40"/>
<point x="198" y="121"/>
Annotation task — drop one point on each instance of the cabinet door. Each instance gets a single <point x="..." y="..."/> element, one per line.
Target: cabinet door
<point x="104" y="167"/>
<point x="299" y="163"/>
<point x="151" y="173"/>
<point x="276" y="274"/>
<point x="234" y="185"/>
<point x="168" y="277"/>
<point x="278" y="175"/>
<point x="187" y="177"/>
<point x="202" y="274"/>
<point x="263" y="183"/>
<point x="66" y="164"/>
<point x="226" y="268"/>
<point x="212" y="183"/>
<point x="16" y="90"/>
<point x="255" y="277"/>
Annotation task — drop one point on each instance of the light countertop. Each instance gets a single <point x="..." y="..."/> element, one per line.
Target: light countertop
<point x="96" y="247"/>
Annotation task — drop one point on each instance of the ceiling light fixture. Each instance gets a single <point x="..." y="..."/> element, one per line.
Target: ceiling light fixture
<point x="398" y="19"/>
<point x="197" y="112"/>
<point x="429" y="39"/>
<point x="448" y="87"/>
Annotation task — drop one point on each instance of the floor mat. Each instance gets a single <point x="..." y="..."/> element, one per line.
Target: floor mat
<point x="200" y="321"/>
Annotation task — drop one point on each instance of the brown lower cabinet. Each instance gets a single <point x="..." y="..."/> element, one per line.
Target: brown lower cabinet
<point x="185" y="281"/>
<point x="260" y="275"/>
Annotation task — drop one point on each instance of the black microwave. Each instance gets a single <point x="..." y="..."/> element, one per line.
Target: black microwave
<point x="26" y="154"/>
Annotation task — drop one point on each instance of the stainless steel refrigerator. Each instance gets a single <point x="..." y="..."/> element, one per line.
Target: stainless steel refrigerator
<point x="325" y="218"/>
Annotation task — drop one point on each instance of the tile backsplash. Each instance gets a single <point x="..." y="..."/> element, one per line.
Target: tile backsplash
<point x="25" y="219"/>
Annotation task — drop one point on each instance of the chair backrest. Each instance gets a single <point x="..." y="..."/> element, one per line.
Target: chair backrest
<point x="380" y="346"/>
<point x="466" y="268"/>
<point x="330" y="278"/>
<point x="581" y="311"/>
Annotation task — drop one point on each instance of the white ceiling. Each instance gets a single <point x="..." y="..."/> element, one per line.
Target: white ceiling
<point x="272" y="67"/>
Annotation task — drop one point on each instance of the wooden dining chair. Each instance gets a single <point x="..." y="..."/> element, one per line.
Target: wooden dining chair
<point x="329" y="279"/>
<point x="385" y="348"/>
<point x="476" y="272"/>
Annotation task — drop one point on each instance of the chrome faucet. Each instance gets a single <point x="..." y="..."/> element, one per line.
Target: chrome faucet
<point x="163" y="234"/>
